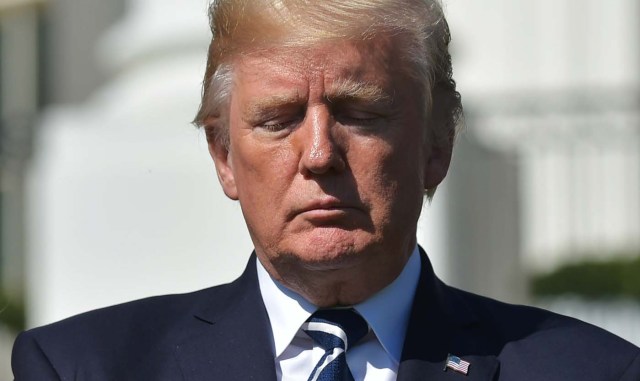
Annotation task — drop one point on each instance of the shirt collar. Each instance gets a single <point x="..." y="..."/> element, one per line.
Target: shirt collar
<point x="287" y="310"/>
<point x="387" y="312"/>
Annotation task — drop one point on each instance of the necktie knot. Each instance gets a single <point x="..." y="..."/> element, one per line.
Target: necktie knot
<point x="335" y="331"/>
<point x="332" y="328"/>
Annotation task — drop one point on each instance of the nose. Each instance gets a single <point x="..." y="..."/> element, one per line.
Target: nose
<point x="321" y="150"/>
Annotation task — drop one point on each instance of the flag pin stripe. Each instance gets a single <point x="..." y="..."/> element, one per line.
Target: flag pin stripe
<point x="457" y="364"/>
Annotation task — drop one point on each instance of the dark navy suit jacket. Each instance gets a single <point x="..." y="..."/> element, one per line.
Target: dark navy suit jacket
<point x="223" y="333"/>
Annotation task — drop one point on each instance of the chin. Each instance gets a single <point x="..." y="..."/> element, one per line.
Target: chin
<point x="330" y="262"/>
<point x="332" y="251"/>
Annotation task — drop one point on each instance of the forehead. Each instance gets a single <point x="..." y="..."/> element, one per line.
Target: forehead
<point x="331" y="63"/>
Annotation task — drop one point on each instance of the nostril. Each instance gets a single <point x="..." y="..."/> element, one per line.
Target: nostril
<point x="323" y="157"/>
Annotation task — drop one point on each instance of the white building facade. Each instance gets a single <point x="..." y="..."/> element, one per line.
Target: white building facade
<point x="124" y="201"/>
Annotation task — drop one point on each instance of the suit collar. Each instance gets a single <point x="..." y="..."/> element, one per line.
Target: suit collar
<point x="442" y="323"/>
<point x="235" y="318"/>
<point x="229" y="334"/>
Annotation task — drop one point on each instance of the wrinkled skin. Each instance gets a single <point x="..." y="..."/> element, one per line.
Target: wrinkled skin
<point x="328" y="160"/>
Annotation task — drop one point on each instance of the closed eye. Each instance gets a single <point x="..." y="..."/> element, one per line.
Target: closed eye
<point x="274" y="120"/>
<point x="358" y="117"/>
<point x="274" y="113"/>
<point x="278" y="125"/>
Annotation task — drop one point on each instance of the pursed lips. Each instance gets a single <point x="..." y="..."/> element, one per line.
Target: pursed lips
<point x="324" y="208"/>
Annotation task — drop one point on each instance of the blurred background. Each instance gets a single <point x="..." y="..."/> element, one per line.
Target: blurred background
<point x="107" y="193"/>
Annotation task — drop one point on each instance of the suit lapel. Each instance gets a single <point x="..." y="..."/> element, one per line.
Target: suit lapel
<point x="230" y="337"/>
<point x="441" y="323"/>
<point x="482" y="368"/>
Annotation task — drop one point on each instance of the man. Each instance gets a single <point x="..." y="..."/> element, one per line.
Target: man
<point x="327" y="121"/>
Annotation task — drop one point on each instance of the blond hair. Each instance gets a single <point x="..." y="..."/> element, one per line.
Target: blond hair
<point x="240" y="26"/>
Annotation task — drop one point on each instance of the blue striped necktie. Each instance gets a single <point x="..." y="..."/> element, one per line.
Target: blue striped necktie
<point x="336" y="331"/>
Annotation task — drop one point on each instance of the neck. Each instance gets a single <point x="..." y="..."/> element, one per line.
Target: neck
<point x="348" y="283"/>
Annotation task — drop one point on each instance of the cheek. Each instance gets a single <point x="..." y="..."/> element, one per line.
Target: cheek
<point x="262" y="175"/>
<point x="394" y="178"/>
<point x="373" y="167"/>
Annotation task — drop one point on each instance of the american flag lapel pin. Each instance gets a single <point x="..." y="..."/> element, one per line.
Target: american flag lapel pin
<point x="457" y="364"/>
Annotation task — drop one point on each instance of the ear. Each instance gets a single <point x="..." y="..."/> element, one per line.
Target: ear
<point x="437" y="164"/>
<point x="219" y="151"/>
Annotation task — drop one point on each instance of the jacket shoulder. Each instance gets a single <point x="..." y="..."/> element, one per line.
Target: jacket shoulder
<point x="533" y="343"/>
<point x="113" y="339"/>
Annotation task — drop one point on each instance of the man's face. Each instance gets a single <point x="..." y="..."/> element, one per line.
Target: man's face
<point x="328" y="161"/>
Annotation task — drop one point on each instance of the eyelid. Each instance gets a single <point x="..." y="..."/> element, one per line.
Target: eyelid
<point x="278" y="123"/>
<point x="272" y="116"/>
<point x="361" y="110"/>
<point x="359" y="114"/>
<point x="275" y="125"/>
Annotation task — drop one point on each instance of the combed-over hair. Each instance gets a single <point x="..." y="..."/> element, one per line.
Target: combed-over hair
<point x="241" y="26"/>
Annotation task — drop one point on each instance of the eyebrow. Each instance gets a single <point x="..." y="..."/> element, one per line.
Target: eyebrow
<point x="264" y="106"/>
<point x="358" y="91"/>
<point x="345" y="90"/>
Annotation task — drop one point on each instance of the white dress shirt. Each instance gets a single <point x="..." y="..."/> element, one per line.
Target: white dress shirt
<point x="377" y="355"/>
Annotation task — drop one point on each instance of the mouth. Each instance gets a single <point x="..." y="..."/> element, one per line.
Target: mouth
<point x="325" y="210"/>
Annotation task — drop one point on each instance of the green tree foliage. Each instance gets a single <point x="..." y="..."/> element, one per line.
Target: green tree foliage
<point x="592" y="280"/>
<point x="11" y="314"/>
